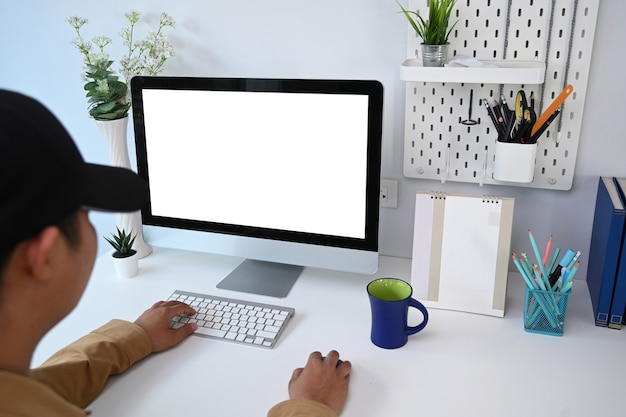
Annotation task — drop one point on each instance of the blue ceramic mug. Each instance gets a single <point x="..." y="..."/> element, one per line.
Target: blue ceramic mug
<point x="390" y="299"/>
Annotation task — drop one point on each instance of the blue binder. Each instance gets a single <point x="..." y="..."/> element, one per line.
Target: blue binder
<point x="618" y="305"/>
<point x="605" y="248"/>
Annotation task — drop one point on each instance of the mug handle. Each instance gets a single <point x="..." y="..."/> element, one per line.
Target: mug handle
<point x="414" y="329"/>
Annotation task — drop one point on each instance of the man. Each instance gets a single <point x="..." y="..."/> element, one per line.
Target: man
<point x="47" y="252"/>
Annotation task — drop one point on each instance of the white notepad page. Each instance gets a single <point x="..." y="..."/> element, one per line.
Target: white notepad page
<point x="460" y="252"/>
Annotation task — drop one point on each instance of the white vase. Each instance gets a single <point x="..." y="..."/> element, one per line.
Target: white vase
<point x="115" y="134"/>
<point x="126" y="267"/>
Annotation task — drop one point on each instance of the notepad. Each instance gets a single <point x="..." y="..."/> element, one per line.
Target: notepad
<point x="461" y="251"/>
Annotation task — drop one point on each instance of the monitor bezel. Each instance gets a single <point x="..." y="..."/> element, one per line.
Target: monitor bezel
<point x="372" y="89"/>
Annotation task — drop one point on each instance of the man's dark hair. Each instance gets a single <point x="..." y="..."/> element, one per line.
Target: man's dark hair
<point x="69" y="228"/>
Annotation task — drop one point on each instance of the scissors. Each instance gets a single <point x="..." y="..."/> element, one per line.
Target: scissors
<point x="520" y="106"/>
<point x="525" y="118"/>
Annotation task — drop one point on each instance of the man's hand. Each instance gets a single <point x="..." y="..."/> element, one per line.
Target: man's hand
<point x="323" y="380"/>
<point x="156" y="322"/>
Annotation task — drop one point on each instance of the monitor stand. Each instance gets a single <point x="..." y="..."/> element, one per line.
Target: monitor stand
<point x="261" y="277"/>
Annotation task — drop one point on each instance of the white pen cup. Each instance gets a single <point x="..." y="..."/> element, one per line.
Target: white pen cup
<point x="514" y="162"/>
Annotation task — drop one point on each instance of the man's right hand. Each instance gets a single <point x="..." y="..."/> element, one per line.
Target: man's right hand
<point x="322" y="379"/>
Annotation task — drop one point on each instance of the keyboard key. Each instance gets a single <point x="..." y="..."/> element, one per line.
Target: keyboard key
<point x="211" y="332"/>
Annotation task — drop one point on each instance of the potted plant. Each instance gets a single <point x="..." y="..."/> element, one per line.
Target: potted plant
<point x="125" y="258"/>
<point x="434" y="31"/>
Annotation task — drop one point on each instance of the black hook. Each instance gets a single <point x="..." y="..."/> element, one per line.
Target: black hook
<point x="470" y="121"/>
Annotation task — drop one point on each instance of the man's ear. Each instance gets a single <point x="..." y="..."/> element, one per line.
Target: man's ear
<point x="40" y="251"/>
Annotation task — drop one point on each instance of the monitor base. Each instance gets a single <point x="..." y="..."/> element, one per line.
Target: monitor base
<point x="261" y="277"/>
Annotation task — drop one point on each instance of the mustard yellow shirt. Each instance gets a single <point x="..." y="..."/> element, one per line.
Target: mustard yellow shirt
<point x="72" y="378"/>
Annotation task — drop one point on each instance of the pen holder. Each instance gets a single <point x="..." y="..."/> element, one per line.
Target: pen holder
<point x="544" y="311"/>
<point x="514" y="162"/>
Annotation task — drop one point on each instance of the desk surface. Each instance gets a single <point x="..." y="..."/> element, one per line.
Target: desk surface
<point x="461" y="364"/>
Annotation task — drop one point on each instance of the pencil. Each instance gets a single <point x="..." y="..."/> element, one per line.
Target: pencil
<point x="522" y="271"/>
<point x="533" y="243"/>
<point x="546" y="253"/>
<point x="552" y="108"/>
<point x="537" y="134"/>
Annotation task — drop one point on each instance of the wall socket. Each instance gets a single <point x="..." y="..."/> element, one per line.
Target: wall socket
<point x="389" y="193"/>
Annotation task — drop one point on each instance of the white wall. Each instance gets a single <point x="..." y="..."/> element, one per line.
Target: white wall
<point x="319" y="39"/>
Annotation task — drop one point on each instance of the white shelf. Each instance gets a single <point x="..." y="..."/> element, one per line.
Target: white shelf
<point x="507" y="72"/>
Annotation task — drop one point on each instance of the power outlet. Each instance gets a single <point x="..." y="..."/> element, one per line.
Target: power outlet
<point x="389" y="193"/>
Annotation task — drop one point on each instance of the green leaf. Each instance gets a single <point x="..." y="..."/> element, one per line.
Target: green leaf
<point x="435" y="30"/>
<point x="122" y="242"/>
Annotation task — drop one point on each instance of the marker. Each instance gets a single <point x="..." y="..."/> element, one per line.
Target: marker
<point x="565" y="261"/>
<point x="574" y="260"/>
<point x="553" y="261"/>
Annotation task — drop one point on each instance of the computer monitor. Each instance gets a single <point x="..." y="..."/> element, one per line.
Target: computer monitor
<point x="284" y="173"/>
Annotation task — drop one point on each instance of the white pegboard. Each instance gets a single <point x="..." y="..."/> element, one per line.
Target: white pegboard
<point x="558" y="33"/>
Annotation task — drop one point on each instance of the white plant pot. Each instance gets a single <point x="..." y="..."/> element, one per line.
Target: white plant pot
<point x="126" y="267"/>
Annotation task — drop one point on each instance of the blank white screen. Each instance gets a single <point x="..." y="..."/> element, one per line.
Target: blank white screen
<point x="288" y="161"/>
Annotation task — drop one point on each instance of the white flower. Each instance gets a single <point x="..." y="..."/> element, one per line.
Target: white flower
<point x="144" y="57"/>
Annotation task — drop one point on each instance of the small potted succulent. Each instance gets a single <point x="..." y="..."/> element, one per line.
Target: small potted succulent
<point x="125" y="258"/>
<point x="434" y="31"/>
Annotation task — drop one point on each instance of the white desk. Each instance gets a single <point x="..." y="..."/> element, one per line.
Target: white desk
<point x="460" y="365"/>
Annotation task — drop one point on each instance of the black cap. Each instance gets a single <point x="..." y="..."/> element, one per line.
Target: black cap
<point x="43" y="177"/>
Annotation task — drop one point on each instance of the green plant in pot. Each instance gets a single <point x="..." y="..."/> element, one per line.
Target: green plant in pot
<point x="434" y="31"/>
<point x="126" y="264"/>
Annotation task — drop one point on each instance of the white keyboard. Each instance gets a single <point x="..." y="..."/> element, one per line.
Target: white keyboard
<point x="233" y="320"/>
